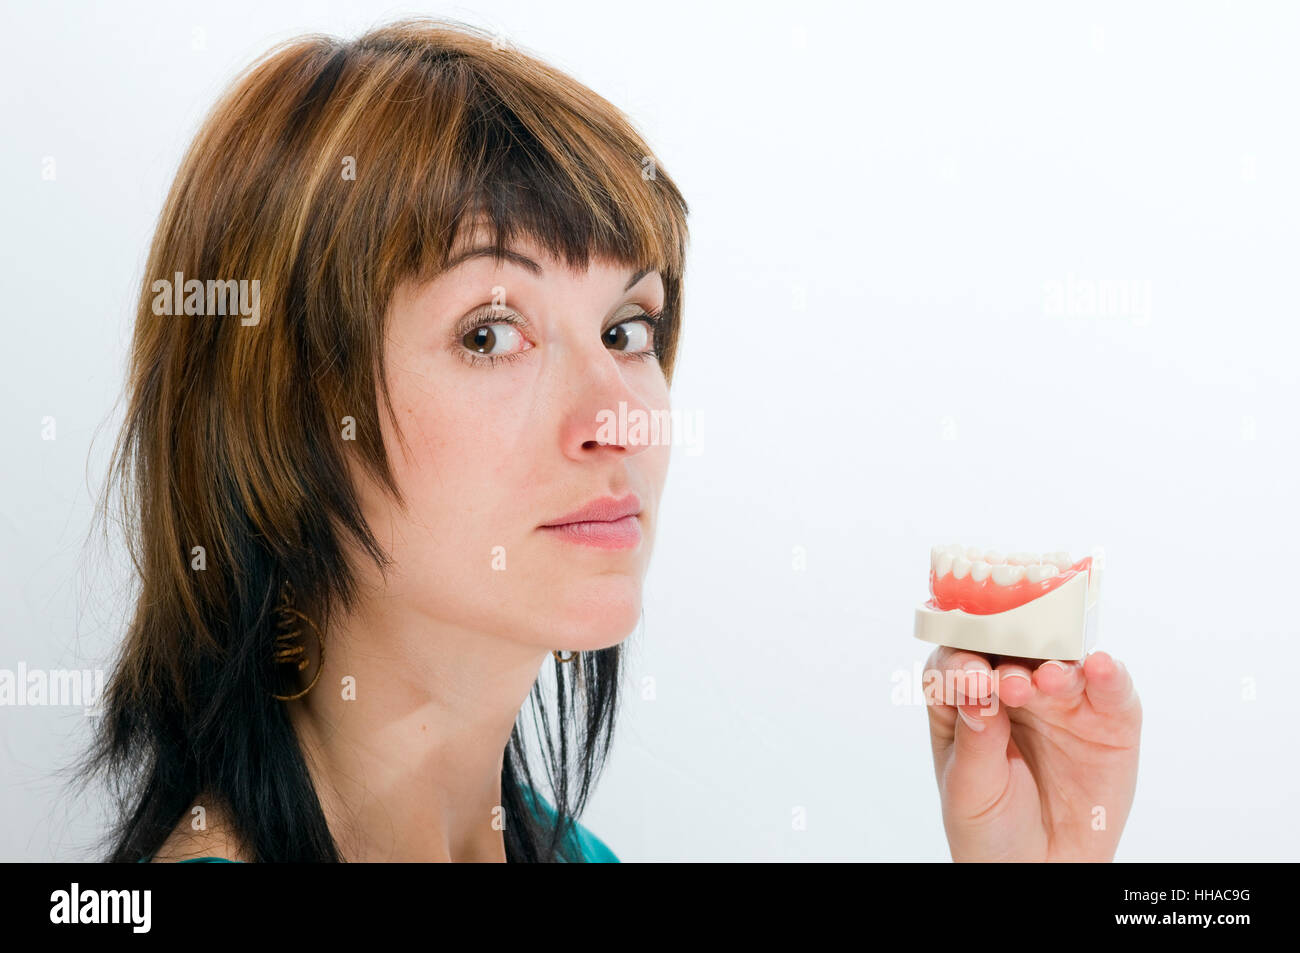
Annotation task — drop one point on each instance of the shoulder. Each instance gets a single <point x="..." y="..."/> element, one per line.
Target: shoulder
<point x="589" y="848"/>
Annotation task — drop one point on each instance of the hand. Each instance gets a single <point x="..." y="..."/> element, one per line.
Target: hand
<point x="1041" y="765"/>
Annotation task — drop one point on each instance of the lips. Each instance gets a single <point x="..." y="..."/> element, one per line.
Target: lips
<point x="607" y="509"/>
<point x="605" y="523"/>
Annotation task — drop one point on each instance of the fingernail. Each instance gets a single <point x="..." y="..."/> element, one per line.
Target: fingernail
<point x="1061" y="665"/>
<point x="971" y="723"/>
<point x="1006" y="675"/>
<point x="976" y="668"/>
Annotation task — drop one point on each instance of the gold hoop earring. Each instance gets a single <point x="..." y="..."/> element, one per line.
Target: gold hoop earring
<point x="561" y="658"/>
<point x="289" y="649"/>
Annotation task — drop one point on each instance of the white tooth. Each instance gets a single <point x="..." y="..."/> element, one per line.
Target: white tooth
<point x="1061" y="561"/>
<point x="994" y="558"/>
<point x="1004" y="575"/>
<point x="960" y="567"/>
<point x="945" y="565"/>
<point x="1023" y="559"/>
<point x="1039" y="573"/>
<point x="955" y="550"/>
<point x="979" y="570"/>
<point x="973" y="553"/>
<point x="935" y="553"/>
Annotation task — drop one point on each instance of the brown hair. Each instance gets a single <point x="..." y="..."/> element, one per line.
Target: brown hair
<point x="231" y="439"/>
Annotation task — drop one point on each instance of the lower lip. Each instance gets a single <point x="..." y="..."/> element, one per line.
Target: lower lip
<point x="615" y="534"/>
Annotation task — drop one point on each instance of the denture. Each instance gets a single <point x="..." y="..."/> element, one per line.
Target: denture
<point x="1025" y="604"/>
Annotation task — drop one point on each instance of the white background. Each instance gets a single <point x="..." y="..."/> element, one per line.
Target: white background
<point x="881" y="200"/>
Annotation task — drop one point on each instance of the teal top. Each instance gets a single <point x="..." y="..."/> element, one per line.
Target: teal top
<point x="590" y="848"/>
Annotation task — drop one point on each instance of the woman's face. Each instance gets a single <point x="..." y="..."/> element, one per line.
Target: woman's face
<point x="493" y="451"/>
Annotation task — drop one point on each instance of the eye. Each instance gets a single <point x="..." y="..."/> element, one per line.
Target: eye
<point x="495" y="341"/>
<point x="635" y="336"/>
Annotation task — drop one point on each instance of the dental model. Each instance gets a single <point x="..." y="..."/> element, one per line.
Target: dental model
<point x="1040" y="607"/>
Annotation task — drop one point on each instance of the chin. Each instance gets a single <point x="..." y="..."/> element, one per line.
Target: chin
<point x="598" y="613"/>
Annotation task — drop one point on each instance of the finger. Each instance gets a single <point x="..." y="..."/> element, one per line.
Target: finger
<point x="1059" y="680"/>
<point x="956" y="676"/>
<point x="942" y="718"/>
<point x="1014" y="682"/>
<point x="1109" y="685"/>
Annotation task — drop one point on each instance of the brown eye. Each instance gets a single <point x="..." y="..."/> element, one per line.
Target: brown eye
<point x="618" y="337"/>
<point x="485" y="340"/>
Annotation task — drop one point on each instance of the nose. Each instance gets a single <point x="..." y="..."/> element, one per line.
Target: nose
<point x="605" y="414"/>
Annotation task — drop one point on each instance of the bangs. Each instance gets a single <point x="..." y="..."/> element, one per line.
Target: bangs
<point x="518" y="185"/>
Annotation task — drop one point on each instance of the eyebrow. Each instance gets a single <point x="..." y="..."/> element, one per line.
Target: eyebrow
<point x="637" y="277"/>
<point x="485" y="251"/>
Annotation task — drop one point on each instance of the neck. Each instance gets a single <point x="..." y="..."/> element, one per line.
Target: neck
<point x="406" y="754"/>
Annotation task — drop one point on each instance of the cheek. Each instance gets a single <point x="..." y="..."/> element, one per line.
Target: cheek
<point x="464" y="473"/>
<point x="453" y="460"/>
<point x="655" y="460"/>
<point x="442" y="540"/>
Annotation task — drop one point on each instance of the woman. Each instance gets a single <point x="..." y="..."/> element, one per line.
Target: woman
<point x="398" y="290"/>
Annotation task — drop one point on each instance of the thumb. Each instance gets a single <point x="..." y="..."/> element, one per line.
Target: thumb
<point x="979" y="770"/>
